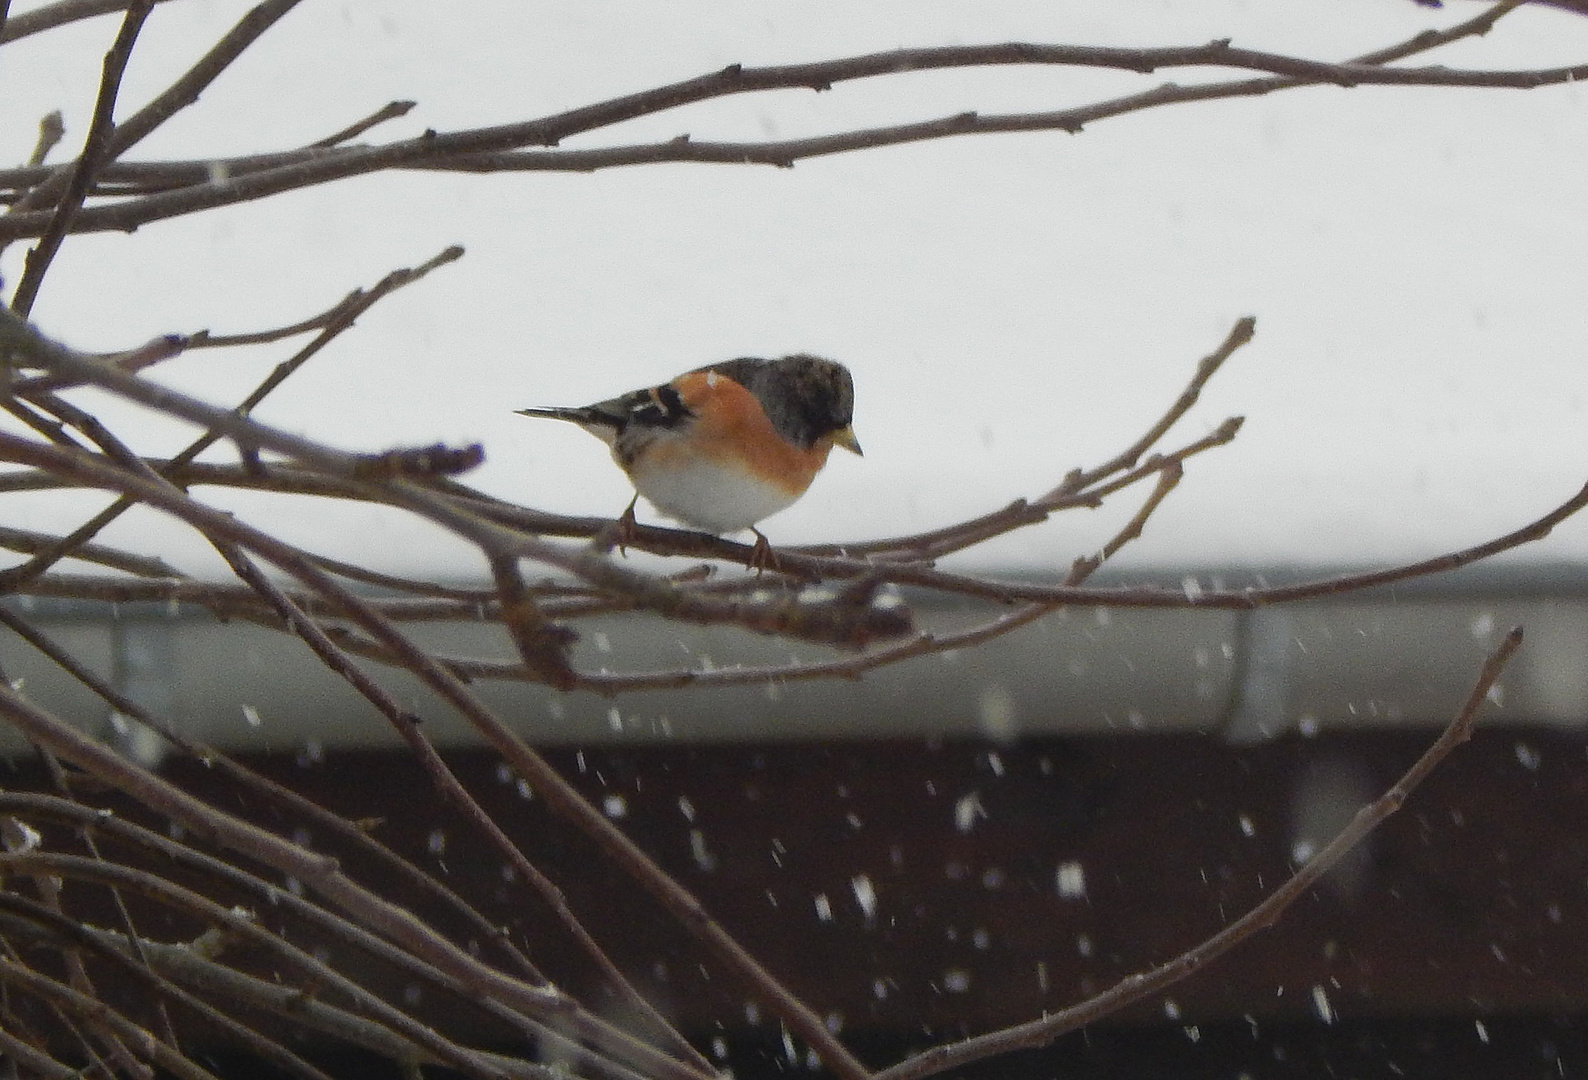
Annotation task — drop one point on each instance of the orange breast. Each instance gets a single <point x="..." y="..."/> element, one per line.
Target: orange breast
<point x="729" y="425"/>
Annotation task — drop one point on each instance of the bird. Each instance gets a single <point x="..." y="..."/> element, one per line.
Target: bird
<point x="722" y="447"/>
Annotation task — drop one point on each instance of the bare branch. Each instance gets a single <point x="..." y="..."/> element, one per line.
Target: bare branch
<point x="52" y="129"/>
<point x="390" y="111"/>
<point x="242" y="925"/>
<point x="331" y="324"/>
<point x="394" y="923"/>
<point x="57" y="14"/>
<point x="175" y="188"/>
<point x="1239" y="335"/>
<point x="96" y="150"/>
<point x="132" y="960"/>
<point x="178" y="96"/>
<point x="91" y="1012"/>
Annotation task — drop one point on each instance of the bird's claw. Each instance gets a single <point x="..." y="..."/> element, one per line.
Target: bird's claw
<point x="762" y="557"/>
<point x="622" y="532"/>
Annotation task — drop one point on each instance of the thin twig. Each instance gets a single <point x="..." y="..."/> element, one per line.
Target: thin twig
<point x="390" y="111"/>
<point x="243" y="926"/>
<point x="447" y="784"/>
<point x="500" y="148"/>
<point x="318" y="872"/>
<point x="59" y="14"/>
<point x="134" y="962"/>
<point x="176" y="97"/>
<point x="266" y="894"/>
<point x="35" y="1062"/>
<point x="336" y="321"/>
<point x="250" y="435"/>
<point x="1240" y="334"/>
<point x="52" y="129"/>
<point x="96" y="150"/>
<point x="51" y="894"/>
<point x="187" y="962"/>
<point x="151" y="566"/>
<point x="289" y="801"/>
<point x="542" y="645"/>
<point x="92" y="1012"/>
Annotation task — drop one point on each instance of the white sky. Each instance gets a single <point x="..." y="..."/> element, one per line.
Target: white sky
<point x="1012" y="306"/>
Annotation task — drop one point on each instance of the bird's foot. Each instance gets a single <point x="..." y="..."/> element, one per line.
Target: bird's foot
<point x="762" y="557"/>
<point x="621" y="533"/>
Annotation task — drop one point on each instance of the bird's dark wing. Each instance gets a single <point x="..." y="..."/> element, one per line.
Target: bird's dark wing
<point x="657" y="407"/>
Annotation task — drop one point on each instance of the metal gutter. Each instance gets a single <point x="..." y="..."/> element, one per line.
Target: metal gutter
<point x="1388" y="658"/>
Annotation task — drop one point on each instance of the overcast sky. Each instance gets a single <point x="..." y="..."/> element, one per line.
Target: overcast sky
<point x="1012" y="306"/>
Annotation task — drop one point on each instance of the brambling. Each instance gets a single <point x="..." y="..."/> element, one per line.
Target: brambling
<point x="724" y="446"/>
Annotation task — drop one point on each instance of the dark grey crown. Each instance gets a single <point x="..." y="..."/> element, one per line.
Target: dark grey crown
<point x="804" y="396"/>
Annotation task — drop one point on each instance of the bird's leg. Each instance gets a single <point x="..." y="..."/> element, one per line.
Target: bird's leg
<point x="762" y="557"/>
<point x="621" y="532"/>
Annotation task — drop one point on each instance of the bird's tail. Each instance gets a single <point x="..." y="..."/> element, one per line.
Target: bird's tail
<point x="603" y="425"/>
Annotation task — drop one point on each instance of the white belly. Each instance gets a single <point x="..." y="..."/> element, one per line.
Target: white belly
<point x="710" y="497"/>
